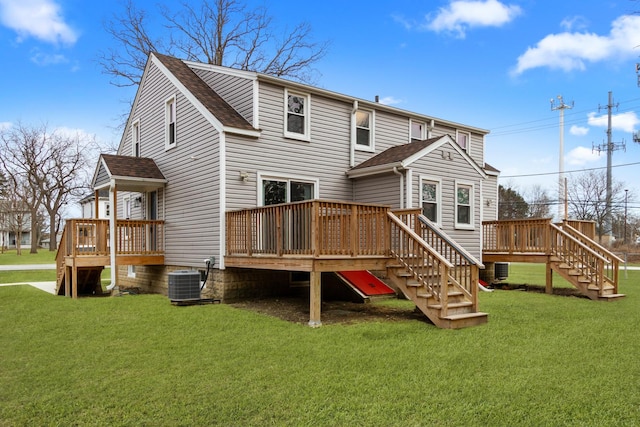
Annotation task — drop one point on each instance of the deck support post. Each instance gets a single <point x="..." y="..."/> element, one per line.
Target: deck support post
<point x="74" y="281"/>
<point x="315" y="299"/>
<point x="549" y="281"/>
<point x="67" y="281"/>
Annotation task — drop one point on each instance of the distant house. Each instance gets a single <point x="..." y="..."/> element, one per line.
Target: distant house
<point x="15" y="224"/>
<point x="204" y="141"/>
<point x="88" y="205"/>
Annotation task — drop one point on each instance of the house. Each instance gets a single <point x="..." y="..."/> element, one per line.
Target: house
<point x="204" y="140"/>
<point x="275" y="180"/>
<point x="90" y="209"/>
<point x="15" y="224"/>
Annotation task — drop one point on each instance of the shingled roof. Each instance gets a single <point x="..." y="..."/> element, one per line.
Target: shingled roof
<point x="396" y="154"/>
<point x="132" y="167"/>
<point x="204" y="93"/>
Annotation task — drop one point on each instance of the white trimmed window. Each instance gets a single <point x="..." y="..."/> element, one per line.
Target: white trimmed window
<point x="135" y="138"/>
<point x="363" y="130"/>
<point x="170" y="123"/>
<point x="297" y="107"/>
<point x="430" y="197"/>
<point x="464" y="205"/>
<point x="276" y="190"/>
<point x="418" y="131"/>
<point x="463" y="139"/>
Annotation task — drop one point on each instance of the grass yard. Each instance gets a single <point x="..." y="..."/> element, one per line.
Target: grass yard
<point x="542" y="360"/>
<point x="44" y="256"/>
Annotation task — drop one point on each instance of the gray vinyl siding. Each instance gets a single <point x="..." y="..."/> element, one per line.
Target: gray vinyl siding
<point x="379" y="189"/>
<point x="190" y="203"/>
<point x="490" y="198"/>
<point x="325" y="157"/>
<point x="102" y="176"/>
<point x="236" y="91"/>
<point x="449" y="171"/>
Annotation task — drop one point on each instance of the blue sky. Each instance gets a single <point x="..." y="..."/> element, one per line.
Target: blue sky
<point x="493" y="64"/>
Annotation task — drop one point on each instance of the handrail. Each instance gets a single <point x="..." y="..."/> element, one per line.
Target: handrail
<point x="583" y="237"/>
<point x="419" y="240"/>
<point x="442" y="235"/>
<point x="582" y="245"/>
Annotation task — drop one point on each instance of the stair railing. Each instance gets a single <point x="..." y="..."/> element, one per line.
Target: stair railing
<point x="613" y="261"/>
<point x="426" y="265"/>
<point x="60" y="255"/>
<point x="466" y="267"/>
<point x="576" y="254"/>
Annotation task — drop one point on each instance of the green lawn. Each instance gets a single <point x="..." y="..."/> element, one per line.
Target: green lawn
<point x="44" y="256"/>
<point x="542" y="360"/>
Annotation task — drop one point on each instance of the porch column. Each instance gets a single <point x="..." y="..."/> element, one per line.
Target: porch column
<point x="96" y="213"/>
<point x="315" y="299"/>
<point x="113" y="215"/>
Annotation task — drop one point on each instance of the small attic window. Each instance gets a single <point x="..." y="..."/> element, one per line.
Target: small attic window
<point x="170" y="123"/>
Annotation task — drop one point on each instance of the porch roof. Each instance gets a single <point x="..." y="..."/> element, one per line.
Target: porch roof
<point x="129" y="173"/>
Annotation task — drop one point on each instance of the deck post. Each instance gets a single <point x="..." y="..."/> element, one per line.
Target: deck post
<point x="113" y="200"/>
<point x="315" y="299"/>
<point x="67" y="281"/>
<point x="74" y="281"/>
<point x="549" y="281"/>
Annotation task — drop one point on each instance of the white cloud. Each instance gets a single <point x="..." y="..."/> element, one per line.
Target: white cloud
<point x="44" y="59"/>
<point x="578" y="130"/>
<point x="574" y="23"/>
<point x="41" y="19"/>
<point x="389" y="100"/>
<point x="461" y="15"/>
<point x="569" y="51"/>
<point x="625" y="122"/>
<point x="5" y="125"/>
<point x="580" y="156"/>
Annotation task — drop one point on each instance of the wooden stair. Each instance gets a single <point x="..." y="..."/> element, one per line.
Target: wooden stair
<point x="579" y="278"/>
<point x="458" y="312"/>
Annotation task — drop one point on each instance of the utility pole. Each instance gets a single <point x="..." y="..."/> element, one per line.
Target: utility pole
<point x="561" y="106"/>
<point x="610" y="147"/>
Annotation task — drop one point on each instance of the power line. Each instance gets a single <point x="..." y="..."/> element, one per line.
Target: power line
<point x="571" y="171"/>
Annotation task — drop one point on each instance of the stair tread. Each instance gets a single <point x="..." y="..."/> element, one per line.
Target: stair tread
<point x="424" y="295"/>
<point x="465" y="315"/>
<point x="452" y="305"/>
<point x="613" y="296"/>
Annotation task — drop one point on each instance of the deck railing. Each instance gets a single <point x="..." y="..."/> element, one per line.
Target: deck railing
<point x="466" y="267"/>
<point x="90" y="237"/>
<point x="310" y="228"/>
<point x="516" y="236"/>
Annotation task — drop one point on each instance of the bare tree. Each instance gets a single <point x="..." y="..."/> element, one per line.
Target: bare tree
<point x="587" y="198"/>
<point x="14" y="217"/>
<point x="44" y="169"/>
<point x="219" y="32"/>
<point x="539" y="202"/>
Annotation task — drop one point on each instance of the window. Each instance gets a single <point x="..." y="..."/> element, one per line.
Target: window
<point x="363" y="130"/>
<point x="464" y="205"/>
<point x="170" y="123"/>
<point x="276" y="191"/>
<point x="297" y="115"/>
<point x="135" y="138"/>
<point x="463" y="139"/>
<point x="430" y="199"/>
<point x="418" y="131"/>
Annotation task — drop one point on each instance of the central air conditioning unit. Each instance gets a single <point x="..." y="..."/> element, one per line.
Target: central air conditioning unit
<point x="501" y="270"/>
<point x="184" y="285"/>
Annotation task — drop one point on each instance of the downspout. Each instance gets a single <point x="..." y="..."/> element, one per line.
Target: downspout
<point x="395" y="171"/>
<point x="352" y="148"/>
<point x="112" y="233"/>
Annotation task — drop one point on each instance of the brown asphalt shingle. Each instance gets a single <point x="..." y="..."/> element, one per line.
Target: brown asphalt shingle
<point x="204" y="93"/>
<point x="397" y="153"/>
<point x="132" y="167"/>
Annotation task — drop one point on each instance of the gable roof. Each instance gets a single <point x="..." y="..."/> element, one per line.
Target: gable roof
<point x="208" y="97"/>
<point x="402" y="156"/>
<point x="129" y="173"/>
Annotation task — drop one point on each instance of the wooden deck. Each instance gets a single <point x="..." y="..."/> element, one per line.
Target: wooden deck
<point x="85" y="247"/>
<point x="322" y="235"/>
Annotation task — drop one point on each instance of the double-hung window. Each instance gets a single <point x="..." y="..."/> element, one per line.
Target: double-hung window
<point x="297" y="121"/>
<point x="430" y="199"/>
<point x="463" y="139"/>
<point x="364" y="130"/>
<point x="170" y="123"/>
<point x="464" y="205"/>
<point x="135" y="138"/>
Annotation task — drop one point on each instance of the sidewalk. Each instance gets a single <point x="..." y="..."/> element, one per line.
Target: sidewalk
<point x="49" y="287"/>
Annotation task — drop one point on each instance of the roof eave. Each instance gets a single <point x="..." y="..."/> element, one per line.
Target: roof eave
<point x="374" y="170"/>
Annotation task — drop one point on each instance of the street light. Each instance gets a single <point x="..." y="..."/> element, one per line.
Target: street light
<point x="626" y="193"/>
